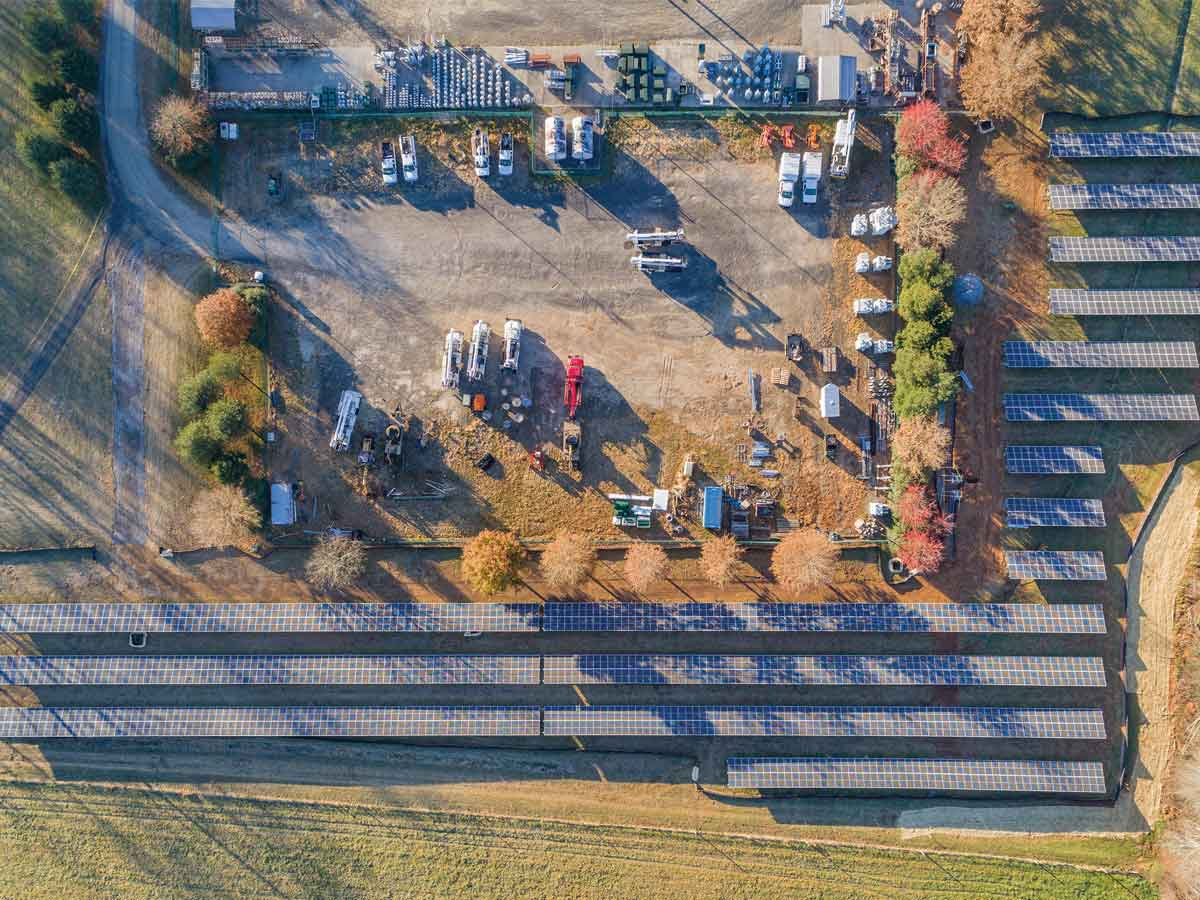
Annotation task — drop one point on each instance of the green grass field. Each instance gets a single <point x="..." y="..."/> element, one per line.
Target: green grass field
<point x="1120" y="57"/>
<point x="67" y="840"/>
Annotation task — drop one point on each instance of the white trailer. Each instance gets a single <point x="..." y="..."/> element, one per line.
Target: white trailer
<point x="408" y="158"/>
<point x="655" y="238"/>
<point x="482" y="153"/>
<point x="814" y="161"/>
<point x="556" y="139"/>
<point x="872" y="306"/>
<point x="506" y="153"/>
<point x="843" y="142"/>
<point x="347" y="416"/>
<point x="512" y="344"/>
<point x="477" y="357"/>
<point x="789" y="173"/>
<point x="452" y="358"/>
<point x="582" y="138"/>
<point x="650" y="263"/>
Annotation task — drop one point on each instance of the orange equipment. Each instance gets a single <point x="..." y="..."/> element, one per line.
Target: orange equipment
<point x="788" y="134"/>
<point x="814" y="137"/>
<point x="768" y="135"/>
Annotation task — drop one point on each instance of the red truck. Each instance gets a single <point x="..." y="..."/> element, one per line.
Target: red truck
<point x="573" y="390"/>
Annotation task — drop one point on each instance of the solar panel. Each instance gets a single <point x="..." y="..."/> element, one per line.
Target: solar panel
<point x="1100" y="355"/>
<point x="1124" y="196"/>
<point x="643" y="668"/>
<point x="248" y="618"/>
<point x="1083" y="144"/>
<point x="1100" y="408"/>
<point x="381" y="669"/>
<point x="953" y="618"/>
<point x="24" y="723"/>
<point x="1037" y="459"/>
<point x="824" y="721"/>
<point x="1024" y="776"/>
<point x="1177" y="248"/>
<point x="1080" y="302"/>
<point x="1056" y="565"/>
<point x="1053" y="512"/>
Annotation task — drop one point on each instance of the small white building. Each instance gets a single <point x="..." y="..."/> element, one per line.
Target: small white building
<point x="214" y="15"/>
<point x="831" y="402"/>
<point x="836" y="79"/>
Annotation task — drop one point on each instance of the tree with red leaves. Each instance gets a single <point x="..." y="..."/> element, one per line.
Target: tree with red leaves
<point x="924" y="135"/>
<point x="921" y="552"/>
<point x="916" y="508"/>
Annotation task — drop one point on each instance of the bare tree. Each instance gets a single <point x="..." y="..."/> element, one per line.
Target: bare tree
<point x="567" y="560"/>
<point x="718" y="559"/>
<point x="804" y="559"/>
<point x="224" y="517"/>
<point x="930" y="209"/>
<point x="644" y="565"/>
<point x="1006" y="63"/>
<point x="181" y="127"/>
<point x="920" y="444"/>
<point x="491" y="561"/>
<point x="335" y="564"/>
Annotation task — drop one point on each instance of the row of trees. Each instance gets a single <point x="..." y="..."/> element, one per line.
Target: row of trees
<point x="930" y="203"/>
<point x="493" y="561"/>
<point x="1006" y="63"/>
<point x="64" y="87"/>
<point x="924" y="378"/>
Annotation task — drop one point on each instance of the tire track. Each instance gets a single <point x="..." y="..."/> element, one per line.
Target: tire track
<point x="126" y="287"/>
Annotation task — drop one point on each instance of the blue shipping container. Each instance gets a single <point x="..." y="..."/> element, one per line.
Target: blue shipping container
<point x="714" y="502"/>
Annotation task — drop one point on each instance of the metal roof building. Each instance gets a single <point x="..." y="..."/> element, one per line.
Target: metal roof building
<point x="214" y="15"/>
<point x="836" y="77"/>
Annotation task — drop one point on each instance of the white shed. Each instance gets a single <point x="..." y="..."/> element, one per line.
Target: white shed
<point x="836" y="79"/>
<point x="214" y="15"/>
<point x="831" y="401"/>
<point x="283" y="505"/>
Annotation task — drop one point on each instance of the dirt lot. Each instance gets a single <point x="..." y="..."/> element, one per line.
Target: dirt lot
<point x="668" y="356"/>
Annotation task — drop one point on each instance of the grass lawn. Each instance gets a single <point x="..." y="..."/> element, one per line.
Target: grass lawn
<point x="67" y="840"/>
<point x="1119" y="57"/>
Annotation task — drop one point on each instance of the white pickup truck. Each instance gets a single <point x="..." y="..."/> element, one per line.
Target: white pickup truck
<point x="388" y="164"/>
<point x="408" y="158"/>
<point x="813" y="163"/>
<point x="789" y="174"/>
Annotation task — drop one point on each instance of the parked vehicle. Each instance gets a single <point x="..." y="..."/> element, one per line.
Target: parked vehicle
<point x="556" y="139"/>
<point x="482" y="153"/>
<point x="408" y="158"/>
<point x="388" y="162"/>
<point x="506" y="153"/>
<point x="813" y="162"/>
<point x="789" y="174"/>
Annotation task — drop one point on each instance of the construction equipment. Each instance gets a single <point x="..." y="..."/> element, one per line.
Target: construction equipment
<point x="506" y="153"/>
<point x="835" y="14"/>
<point x="572" y="446"/>
<point x="556" y="139"/>
<point x="452" y="358"/>
<point x="537" y="460"/>
<point x="788" y="135"/>
<point x="347" y="416"/>
<point x="582" y="143"/>
<point x="482" y="153"/>
<point x="843" y="143"/>
<point x="366" y="450"/>
<point x="767" y="139"/>
<point x="654" y="239"/>
<point x="573" y="389"/>
<point x="648" y="262"/>
<point x="393" y="444"/>
<point x="571" y="64"/>
<point x="477" y="356"/>
<point x="408" y="158"/>
<point x="388" y="162"/>
<point x="512" y="344"/>
<point x="814" y="136"/>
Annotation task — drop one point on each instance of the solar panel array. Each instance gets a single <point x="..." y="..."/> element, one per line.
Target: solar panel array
<point x="1100" y="355"/>
<point x="1038" y="459"/>
<point x="1023" y="671"/>
<point x="312" y="669"/>
<point x="1175" y="248"/>
<point x="1080" y="302"/>
<point x="954" y="618"/>
<point x="1124" y="196"/>
<point x="1100" y="408"/>
<point x="22" y="723"/>
<point x="249" y="618"/>
<point x="1053" y="512"/>
<point x="877" y="774"/>
<point x="1056" y="565"/>
<point x="825" y="721"/>
<point x="1083" y="144"/>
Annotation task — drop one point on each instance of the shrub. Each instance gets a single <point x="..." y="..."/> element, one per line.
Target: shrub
<point x="80" y="12"/>
<point x="256" y="297"/>
<point x="920" y="444"/>
<point x="44" y="32"/>
<point x="224" y="517"/>
<point x="76" y="66"/>
<point x="226" y="418"/>
<point x="199" y="392"/>
<point x="927" y="266"/>
<point x="45" y="92"/>
<point x="336" y="563"/>
<point x="225" y="366"/>
<point x="567" y="560"/>
<point x="79" y="180"/>
<point x="223" y="319"/>
<point x="259" y="492"/>
<point x="719" y="558"/>
<point x="197" y="444"/>
<point x="906" y="167"/>
<point x="491" y="561"/>
<point x="230" y="468"/>
<point x="40" y="149"/>
<point x="931" y="207"/>
<point x="644" y="565"/>
<point x="75" y="122"/>
<point x="181" y="129"/>
<point x="804" y="559"/>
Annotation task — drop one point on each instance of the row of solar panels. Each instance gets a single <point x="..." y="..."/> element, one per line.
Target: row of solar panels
<point x="1053" y="512"/>
<point x="1056" y="565"/>
<point x="222" y="618"/>
<point x="1124" y="196"/>
<point x="1100" y="355"/>
<point x="1131" y="249"/>
<point x="1101" y="408"/>
<point x="1118" y="144"/>
<point x="601" y="668"/>
<point x="964" y="722"/>
<point x="846" y="774"/>
<point x="1083" y="302"/>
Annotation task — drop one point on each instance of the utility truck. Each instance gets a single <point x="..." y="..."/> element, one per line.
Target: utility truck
<point x="388" y="162"/>
<point x="506" y="153"/>
<point x="813" y="161"/>
<point x="408" y="158"/>
<point x="789" y="174"/>
<point x="482" y="153"/>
